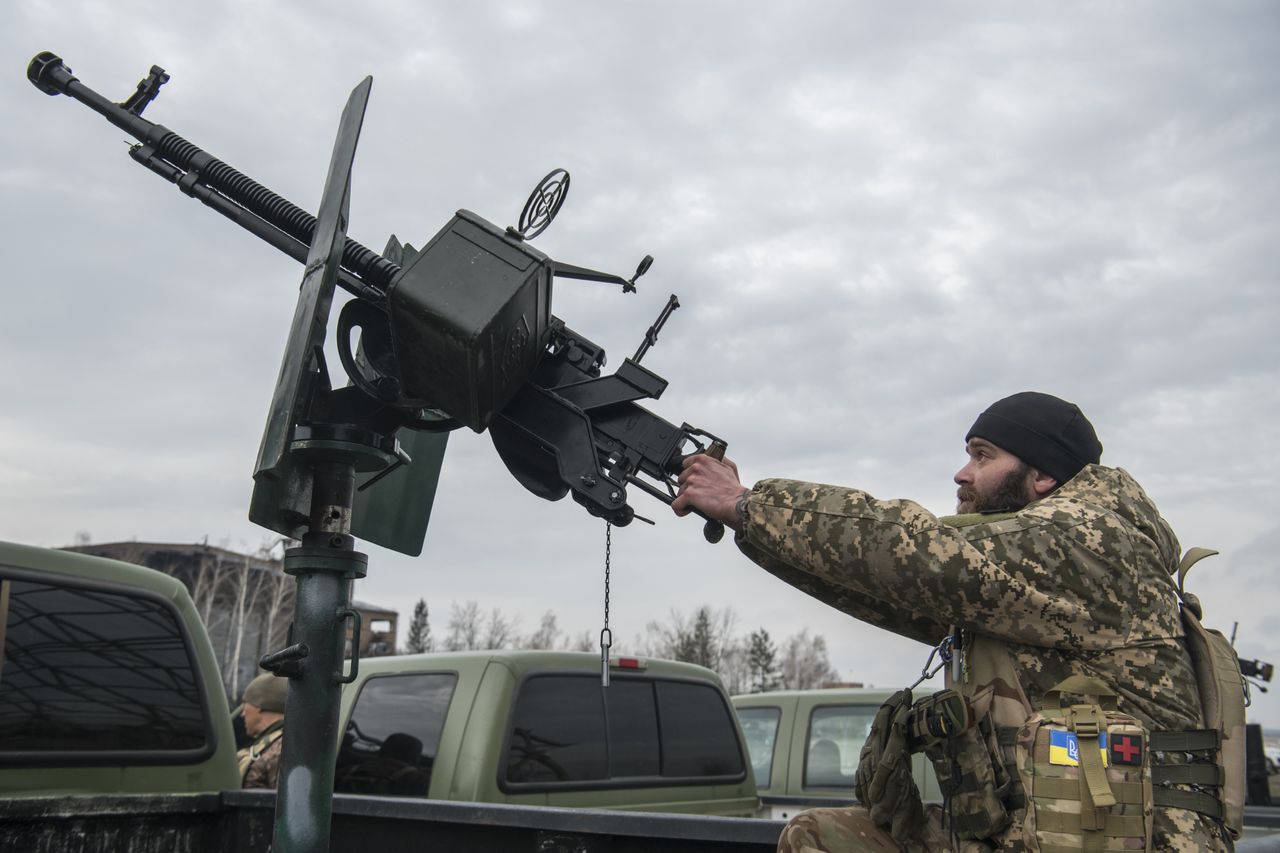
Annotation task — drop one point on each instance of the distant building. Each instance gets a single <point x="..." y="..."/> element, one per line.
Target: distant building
<point x="245" y="602"/>
<point x="377" y="630"/>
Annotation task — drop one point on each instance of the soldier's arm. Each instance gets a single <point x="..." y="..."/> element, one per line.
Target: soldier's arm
<point x="892" y="616"/>
<point x="895" y="564"/>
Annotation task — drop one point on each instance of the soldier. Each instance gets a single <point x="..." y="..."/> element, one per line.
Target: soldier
<point x="1057" y="566"/>
<point x="264" y="722"/>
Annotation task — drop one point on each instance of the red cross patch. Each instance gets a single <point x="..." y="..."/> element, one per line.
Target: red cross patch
<point x="1126" y="749"/>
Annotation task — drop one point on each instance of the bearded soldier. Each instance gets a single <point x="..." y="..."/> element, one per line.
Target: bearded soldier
<point x="1057" y="566"/>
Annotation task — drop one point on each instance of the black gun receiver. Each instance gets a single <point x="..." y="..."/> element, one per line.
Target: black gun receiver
<point x="457" y="333"/>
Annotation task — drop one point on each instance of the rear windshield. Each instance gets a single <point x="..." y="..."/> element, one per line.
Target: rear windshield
<point x="836" y="735"/>
<point x="568" y="731"/>
<point x="393" y="734"/>
<point x="94" y="671"/>
<point x="760" y="728"/>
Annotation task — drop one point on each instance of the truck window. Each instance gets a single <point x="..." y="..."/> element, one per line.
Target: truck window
<point x="558" y="732"/>
<point x="760" y="727"/>
<point x="393" y="734"/>
<point x="698" y="735"/>
<point x="87" y="670"/>
<point x="836" y="735"/>
<point x="633" y="729"/>
<point x="568" y="731"/>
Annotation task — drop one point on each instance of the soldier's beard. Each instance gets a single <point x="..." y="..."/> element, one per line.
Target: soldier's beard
<point x="1009" y="495"/>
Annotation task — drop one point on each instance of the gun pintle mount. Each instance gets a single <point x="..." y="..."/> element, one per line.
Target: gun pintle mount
<point x="458" y="333"/>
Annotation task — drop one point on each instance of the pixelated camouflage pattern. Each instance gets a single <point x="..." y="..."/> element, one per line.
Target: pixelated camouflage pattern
<point x="1074" y="584"/>
<point x="846" y="830"/>
<point x="974" y="786"/>
<point x="263" y="769"/>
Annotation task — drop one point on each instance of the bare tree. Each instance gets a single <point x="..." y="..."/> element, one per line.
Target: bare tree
<point x="700" y="639"/>
<point x="244" y="601"/>
<point x="705" y="638"/>
<point x="500" y="630"/>
<point x="804" y="662"/>
<point x="735" y="669"/>
<point x="464" y="627"/>
<point x="278" y="599"/>
<point x="205" y="585"/>
<point x="247" y="585"/>
<point x="548" y="635"/>
<point x="585" y="642"/>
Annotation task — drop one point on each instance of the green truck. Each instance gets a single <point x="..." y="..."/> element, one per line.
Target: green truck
<point x="115" y="734"/>
<point x="109" y="683"/>
<point x="805" y="745"/>
<point x="535" y="728"/>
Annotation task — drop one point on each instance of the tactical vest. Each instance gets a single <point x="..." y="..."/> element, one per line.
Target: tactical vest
<point x="250" y="754"/>
<point x="983" y="769"/>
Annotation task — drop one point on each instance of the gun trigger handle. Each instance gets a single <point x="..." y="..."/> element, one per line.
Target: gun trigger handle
<point x="713" y="531"/>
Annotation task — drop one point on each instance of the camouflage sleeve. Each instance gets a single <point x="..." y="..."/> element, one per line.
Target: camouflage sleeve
<point x="1026" y="579"/>
<point x="264" y="772"/>
<point x="891" y="616"/>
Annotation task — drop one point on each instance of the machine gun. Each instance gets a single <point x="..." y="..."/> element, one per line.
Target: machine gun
<point x="459" y="333"/>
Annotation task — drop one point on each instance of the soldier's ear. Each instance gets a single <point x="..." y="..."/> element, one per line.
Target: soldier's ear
<point x="1041" y="483"/>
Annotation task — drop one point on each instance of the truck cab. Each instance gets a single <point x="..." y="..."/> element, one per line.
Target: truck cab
<point x="537" y="728"/>
<point x="107" y="681"/>
<point x="805" y="746"/>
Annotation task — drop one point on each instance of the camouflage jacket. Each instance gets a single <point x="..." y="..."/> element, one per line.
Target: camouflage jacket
<point x="261" y="759"/>
<point x="1076" y="583"/>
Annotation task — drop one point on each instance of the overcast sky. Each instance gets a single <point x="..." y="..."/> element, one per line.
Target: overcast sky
<point x="878" y="219"/>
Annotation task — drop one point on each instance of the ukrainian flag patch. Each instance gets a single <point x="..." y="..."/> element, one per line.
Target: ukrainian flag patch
<point x="1064" y="748"/>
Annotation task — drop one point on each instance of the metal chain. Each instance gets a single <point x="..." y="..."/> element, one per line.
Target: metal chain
<point x="606" y="636"/>
<point x="608" y="549"/>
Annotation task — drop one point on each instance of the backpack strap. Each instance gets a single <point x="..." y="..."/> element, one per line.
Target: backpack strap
<point x="1189" y="559"/>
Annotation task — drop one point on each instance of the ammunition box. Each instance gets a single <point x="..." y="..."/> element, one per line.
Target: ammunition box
<point x="470" y="318"/>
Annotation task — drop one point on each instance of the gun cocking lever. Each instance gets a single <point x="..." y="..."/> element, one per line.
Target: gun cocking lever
<point x="651" y="336"/>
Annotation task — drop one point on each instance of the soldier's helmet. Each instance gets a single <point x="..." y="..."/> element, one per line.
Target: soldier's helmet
<point x="267" y="692"/>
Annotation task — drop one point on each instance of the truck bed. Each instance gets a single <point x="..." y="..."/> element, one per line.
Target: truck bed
<point x="241" y="822"/>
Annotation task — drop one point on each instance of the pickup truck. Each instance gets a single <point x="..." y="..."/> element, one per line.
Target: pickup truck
<point x="535" y="728"/>
<point x="115" y="735"/>
<point x="109" y="682"/>
<point x="805" y="744"/>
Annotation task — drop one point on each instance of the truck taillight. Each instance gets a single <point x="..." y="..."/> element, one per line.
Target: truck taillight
<point x="626" y="663"/>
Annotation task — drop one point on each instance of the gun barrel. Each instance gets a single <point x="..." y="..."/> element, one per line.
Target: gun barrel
<point x="48" y="73"/>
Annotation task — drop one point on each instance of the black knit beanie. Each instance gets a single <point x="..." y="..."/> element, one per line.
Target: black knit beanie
<point x="1049" y="434"/>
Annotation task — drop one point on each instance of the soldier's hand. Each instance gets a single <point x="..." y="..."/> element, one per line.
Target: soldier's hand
<point x="884" y="748"/>
<point x="711" y="486"/>
<point x="883" y="782"/>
